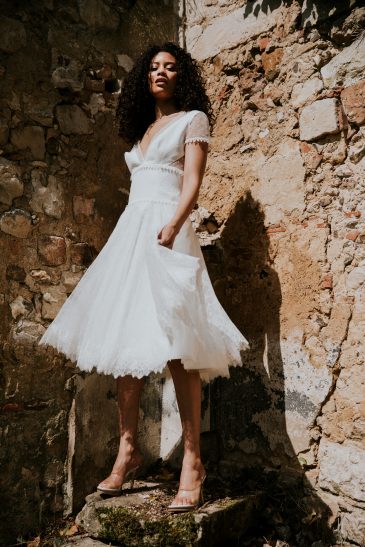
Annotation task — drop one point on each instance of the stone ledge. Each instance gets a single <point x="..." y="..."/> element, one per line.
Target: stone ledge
<point x="139" y="516"/>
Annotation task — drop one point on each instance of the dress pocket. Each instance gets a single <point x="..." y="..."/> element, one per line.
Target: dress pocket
<point x="180" y="256"/>
<point x="174" y="279"/>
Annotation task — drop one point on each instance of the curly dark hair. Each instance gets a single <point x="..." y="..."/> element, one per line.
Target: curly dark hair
<point x="135" y="109"/>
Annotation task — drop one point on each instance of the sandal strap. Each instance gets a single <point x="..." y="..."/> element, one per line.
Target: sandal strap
<point x="192" y="489"/>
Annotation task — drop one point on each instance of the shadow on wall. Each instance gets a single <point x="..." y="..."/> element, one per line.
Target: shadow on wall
<point x="312" y="10"/>
<point x="248" y="409"/>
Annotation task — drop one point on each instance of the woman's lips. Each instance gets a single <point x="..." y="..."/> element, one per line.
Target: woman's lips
<point x="161" y="81"/>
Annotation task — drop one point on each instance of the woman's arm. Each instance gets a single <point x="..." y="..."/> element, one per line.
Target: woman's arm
<point x="195" y="161"/>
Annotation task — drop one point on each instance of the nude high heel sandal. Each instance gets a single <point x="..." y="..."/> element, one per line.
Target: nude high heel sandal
<point x="129" y="476"/>
<point x="179" y="508"/>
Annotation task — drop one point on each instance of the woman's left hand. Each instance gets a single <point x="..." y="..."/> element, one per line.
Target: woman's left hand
<point x="166" y="235"/>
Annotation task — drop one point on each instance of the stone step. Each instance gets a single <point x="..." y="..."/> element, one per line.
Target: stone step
<point x="139" y="517"/>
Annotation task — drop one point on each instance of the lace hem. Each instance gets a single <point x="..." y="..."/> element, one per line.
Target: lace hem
<point x="197" y="139"/>
<point x="134" y="368"/>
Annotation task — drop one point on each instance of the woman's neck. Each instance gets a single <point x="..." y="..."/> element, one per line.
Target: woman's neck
<point x="164" y="109"/>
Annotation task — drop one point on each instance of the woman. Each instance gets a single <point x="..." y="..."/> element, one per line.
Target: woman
<point x="147" y="301"/>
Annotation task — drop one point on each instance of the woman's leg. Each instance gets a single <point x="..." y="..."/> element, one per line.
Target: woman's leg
<point x="128" y="392"/>
<point x="188" y="395"/>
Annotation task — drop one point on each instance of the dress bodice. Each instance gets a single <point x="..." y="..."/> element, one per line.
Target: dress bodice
<point x="166" y="148"/>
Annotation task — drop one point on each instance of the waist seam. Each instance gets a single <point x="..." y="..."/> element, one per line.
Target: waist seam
<point x="164" y="166"/>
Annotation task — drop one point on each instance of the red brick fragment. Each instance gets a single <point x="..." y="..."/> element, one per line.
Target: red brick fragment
<point x="352" y="235"/>
<point x="263" y="43"/>
<point x="11" y="407"/>
<point x="310" y="155"/>
<point x="355" y="214"/>
<point x="274" y="228"/>
<point x="271" y="63"/>
<point x="327" y="282"/>
<point x="353" y="101"/>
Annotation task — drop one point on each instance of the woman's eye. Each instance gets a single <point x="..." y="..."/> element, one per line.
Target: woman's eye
<point x="168" y="67"/>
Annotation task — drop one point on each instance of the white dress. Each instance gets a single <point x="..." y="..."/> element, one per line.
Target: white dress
<point x="140" y="304"/>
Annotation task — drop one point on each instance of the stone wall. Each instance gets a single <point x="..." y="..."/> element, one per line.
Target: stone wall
<point x="63" y="185"/>
<point x="282" y="222"/>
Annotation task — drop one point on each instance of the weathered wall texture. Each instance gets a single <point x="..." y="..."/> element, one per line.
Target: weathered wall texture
<point x="281" y="221"/>
<point x="63" y="185"/>
<point x="284" y="227"/>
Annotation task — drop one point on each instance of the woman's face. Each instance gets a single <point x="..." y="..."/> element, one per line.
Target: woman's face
<point x="162" y="75"/>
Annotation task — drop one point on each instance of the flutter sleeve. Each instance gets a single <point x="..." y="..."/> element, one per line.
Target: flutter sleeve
<point x="198" y="129"/>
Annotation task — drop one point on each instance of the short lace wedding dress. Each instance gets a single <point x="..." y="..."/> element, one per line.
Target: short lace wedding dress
<point x="140" y="304"/>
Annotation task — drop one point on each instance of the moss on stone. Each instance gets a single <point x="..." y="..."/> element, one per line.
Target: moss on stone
<point x="120" y="524"/>
<point x="128" y="527"/>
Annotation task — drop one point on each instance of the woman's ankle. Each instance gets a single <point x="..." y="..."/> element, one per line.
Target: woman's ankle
<point x="192" y="454"/>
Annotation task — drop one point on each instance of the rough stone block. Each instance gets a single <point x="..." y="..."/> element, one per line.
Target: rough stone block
<point x="73" y="120"/>
<point x="342" y="469"/>
<point x="344" y="415"/>
<point x="97" y="14"/>
<point x="52" y="250"/>
<point x="310" y="155"/>
<point x="347" y="67"/>
<point x="81" y="254"/>
<point x="83" y="209"/>
<point x="32" y="137"/>
<point x="11" y="186"/>
<point x="83" y="541"/>
<point x="318" y="119"/>
<point x="20" y="307"/>
<point x="228" y="30"/>
<point x="12" y="35"/>
<point x="357" y="148"/>
<point x="47" y="199"/>
<point x="16" y="223"/>
<point x="133" y="519"/>
<point x="356" y="278"/>
<point x="70" y="280"/>
<point x="4" y="131"/>
<point x="15" y="272"/>
<point x="26" y="332"/>
<point x="352" y="525"/>
<point x="53" y="298"/>
<point x="271" y="63"/>
<point x="353" y="101"/>
<point x="281" y="181"/>
<point x="302" y="92"/>
<point x="68" y="77"/>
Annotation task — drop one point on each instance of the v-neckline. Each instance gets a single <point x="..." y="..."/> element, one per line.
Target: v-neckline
<point x="143" y="154"/>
